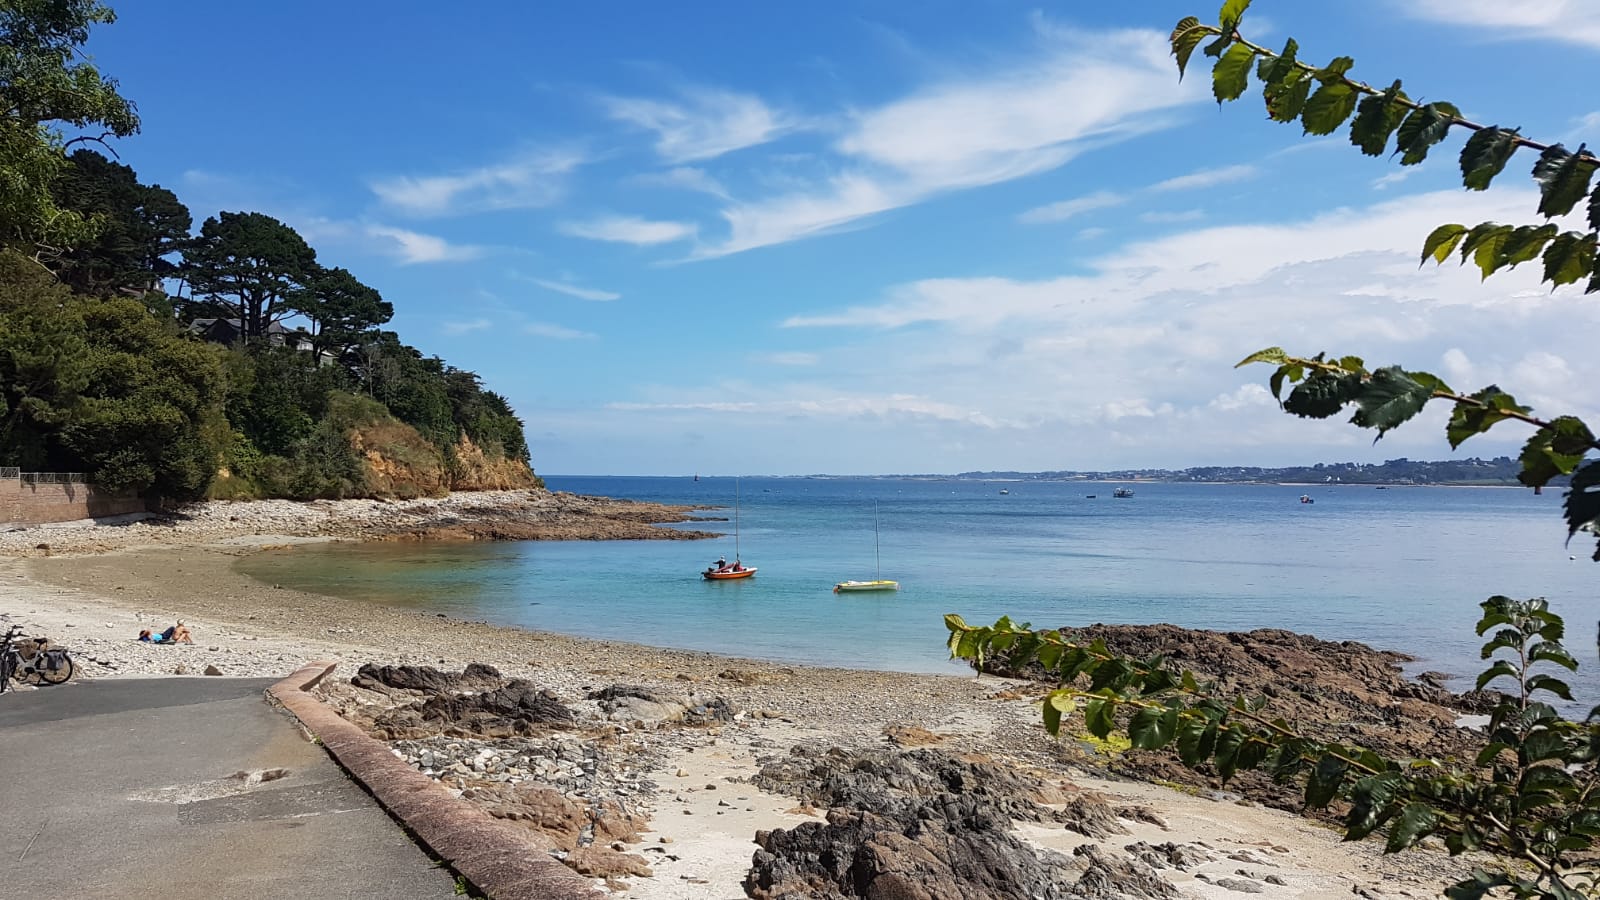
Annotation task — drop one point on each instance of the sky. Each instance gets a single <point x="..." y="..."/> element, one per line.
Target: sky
<point x="879" y="237"/>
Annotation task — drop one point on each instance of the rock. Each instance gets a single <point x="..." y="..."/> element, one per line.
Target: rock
<point x="601" y="862"/>
<point x="476" y="676"/>
<point x="628" y="703"/>
<point x="1107" y="877"/>
<point x="911" y="736"/>
<point x="1243" y="885"/>
<point x="1169" y="855"/>
<point x="213" y="670"/>
<point x="517" y="708"/>
<point x="180" y="669"/>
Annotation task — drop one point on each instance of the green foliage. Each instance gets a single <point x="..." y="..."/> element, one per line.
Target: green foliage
<point x="248" y="266"/>
<point x="46" y="83"/>
<point x="1528" y="798"/>
<point x="140" y="227"/>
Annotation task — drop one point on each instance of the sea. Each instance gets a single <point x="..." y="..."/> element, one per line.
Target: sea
<point x="1400" y="568"/>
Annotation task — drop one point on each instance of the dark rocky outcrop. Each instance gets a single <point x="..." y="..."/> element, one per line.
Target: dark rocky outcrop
<point x="928" y="825"/>
<point x="475" y="677"/>
<point x="477" y="703"/>
<point x="1342" y="691"/>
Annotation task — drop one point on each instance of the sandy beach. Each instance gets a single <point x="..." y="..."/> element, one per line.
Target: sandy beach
<point x="692" y="787"/>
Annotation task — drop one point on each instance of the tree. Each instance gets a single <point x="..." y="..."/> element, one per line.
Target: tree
<point x="45" y="85"/>
<point x="251" y="266"/>
<point x="141" y="228"/>
<point x="342" y="310"/>
<point x="1532" y="796"/>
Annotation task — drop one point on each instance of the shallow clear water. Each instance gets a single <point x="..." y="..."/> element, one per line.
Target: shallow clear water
<point x="1402" y="568"/>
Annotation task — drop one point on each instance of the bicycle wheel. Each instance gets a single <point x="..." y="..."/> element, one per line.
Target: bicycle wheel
<point x="56" y="667"/>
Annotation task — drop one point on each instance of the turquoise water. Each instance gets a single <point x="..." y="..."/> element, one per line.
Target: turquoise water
<point x="1401" y="568"/>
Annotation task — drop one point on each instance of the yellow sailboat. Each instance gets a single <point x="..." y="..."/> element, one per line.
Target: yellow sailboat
<point x="878" y="584"/>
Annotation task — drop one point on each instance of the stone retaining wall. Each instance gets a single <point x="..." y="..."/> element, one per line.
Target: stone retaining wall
<point x="26" y="503"/>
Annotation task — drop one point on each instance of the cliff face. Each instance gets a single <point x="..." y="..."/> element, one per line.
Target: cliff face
<point x="400" y="463"/>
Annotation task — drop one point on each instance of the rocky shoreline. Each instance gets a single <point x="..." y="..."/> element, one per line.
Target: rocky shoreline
<point x="671" y="774"/>
<point x="522" y="515"/>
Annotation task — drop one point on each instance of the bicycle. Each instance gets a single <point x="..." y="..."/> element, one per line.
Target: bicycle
<point x="49" y="665"/>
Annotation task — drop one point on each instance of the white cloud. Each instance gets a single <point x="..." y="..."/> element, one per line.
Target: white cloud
<point x="1206" y="178"/>
<point x="532" y="180"/>
<point x="1085" y="234"/>
<point x="412" y="247"/>
<point x="1382" y="182"/>
<point x="1087" y="90"/>
<point x="629" y="230"/>
<point x="705" y="123"/>
<point x="1063" y="210"/>
<point x="1569" y="21"/>
<point x="573" y="290"/>
<point x="556" y="332"/>
<point x="1171" y="216"/>
<point x="471" y="325"/>
<point x="687" y="178"/>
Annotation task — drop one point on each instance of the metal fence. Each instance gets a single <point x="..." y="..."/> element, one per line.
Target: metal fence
<point x="10" y="472"/>
<point x="54" y="478"/>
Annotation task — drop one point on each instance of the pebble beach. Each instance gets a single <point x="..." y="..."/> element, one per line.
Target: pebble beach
<point x="695" y="790"/>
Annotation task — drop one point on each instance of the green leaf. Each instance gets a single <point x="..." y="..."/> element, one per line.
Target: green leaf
<point x="1563" y="178"/>
<point x="1479" y="233"/>
<point x="1552" y="684"/>
<point x="1377" y="118"/>
<point x="1489" y="254"/>
<point x="1187" y="35"/>
<point x="1416" y="822"/>
<point x="1052" y="716"/>
<point x="1286" y="98"/>
<point x="1525" y="243"/>
<point x="1467" y="420"/>
<point x="1226" y="757"/>
<point x="1323" y="784"/>
<point x="1099" y="716"/>
<point x="1442" y="241"/>
<point x="1197" y="740"/>
<point x="1594" y="211"/>
<point x="1478" y="886"/>
<point x="1389" y="398"/>
<point x="1273" y="355"/>
<point x="1322" y="394"/>
<point x="1328" y="108"/>
<point x="1274" y="69"/>
<point x="1554" y="450"/>
<point x="1370" y="798"/>
<point x="1424" y="127"/>
<point x="1569" y="258"/>
<point x="1232" y="11"/>
<point x="1335" y="69"/>
<point x="1232" y="73"/>
<point x="1147" y="729"/>
<point x="1547" y="651"/>
<point x="1582" y="503"/>
<point x="1501" y="668"/>
<point x="1485" y="155"/>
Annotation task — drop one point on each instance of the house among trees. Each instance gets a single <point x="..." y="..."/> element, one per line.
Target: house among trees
<point x="229" y="333"/>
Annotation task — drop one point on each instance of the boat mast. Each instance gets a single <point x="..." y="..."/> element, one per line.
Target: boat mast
<point x="877" y="557"/>
<point x="735" y="520"/>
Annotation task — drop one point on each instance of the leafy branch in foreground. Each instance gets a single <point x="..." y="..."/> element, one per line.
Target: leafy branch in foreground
<point x="1531" y="797"/>
<point x="1386" y="397"/>
<point x="1322" y="98"/>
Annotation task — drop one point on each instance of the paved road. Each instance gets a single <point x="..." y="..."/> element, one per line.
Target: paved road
<point x="125" y="789"/>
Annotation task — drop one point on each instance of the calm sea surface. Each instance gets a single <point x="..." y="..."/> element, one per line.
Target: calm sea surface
<point x="1402" y="568"/>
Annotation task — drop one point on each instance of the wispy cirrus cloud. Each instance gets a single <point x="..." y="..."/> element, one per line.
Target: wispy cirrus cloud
<point x="701" y="123"/>
<point x="1206" y="178"/>
<point x="1567" y="21"/>
<point x="1081" y="91"/>
<point x="1063" y="210"/>
<point x="556" y="332"/>
<point x="413" y="247"/>
<point x="574" y="290"/>
<point x="629" y="230"/>
<point x="532" y="180"/>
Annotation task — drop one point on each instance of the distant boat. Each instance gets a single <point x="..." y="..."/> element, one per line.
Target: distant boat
<point x="1122" y="492"/>
<point x="880" y="583"/>
<point x="1306" y="498"/>
<point x="722" y="570"/>
<point x="1004" y="491"/>
<point x="1089" y="496"/>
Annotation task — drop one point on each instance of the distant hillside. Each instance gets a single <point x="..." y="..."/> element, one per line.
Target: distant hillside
<point x="1502" y="470"/>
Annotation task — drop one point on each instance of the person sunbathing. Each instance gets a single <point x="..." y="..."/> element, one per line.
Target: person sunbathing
<point x="177" y="634"/>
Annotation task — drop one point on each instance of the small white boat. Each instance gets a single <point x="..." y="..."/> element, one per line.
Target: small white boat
<point x="1004" y="491"/>
<point x="881" y="584"/>
<point x="1122" y="492"/>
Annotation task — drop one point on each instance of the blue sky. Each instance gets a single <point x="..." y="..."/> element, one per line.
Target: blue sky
<point x="875" y="237"/>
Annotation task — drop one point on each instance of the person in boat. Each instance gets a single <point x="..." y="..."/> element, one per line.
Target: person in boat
<point x="722" y="564"/>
